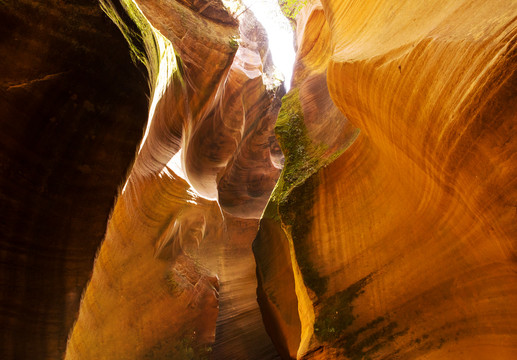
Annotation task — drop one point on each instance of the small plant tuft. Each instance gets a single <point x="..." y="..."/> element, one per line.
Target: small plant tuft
<point x="291" y="8"/>
<point x="234" y="42"/>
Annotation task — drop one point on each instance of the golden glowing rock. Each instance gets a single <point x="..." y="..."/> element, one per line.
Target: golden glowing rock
<point x="171" y="258"/>
<point x="391" y="232"/>
<point x="141" y="302"/>
<point x="404" y="246"/>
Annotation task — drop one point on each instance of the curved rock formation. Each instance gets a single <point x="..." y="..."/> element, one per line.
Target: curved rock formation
<point x="388" y="231"/>
<point x="404" y="246"/>
<point x="175" y="275"/>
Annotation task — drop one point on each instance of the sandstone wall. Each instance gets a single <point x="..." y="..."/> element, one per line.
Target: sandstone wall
<point x="404" y="246"/>
<point x="175" y="276"/>
<point x="72" y="111"/>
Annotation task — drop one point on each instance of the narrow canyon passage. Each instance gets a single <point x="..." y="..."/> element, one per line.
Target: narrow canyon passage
<point x="178" y="249"/>
<point x="208" y="179"/>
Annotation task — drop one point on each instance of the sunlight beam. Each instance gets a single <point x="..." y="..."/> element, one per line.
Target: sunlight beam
<point x="280" y="35"/>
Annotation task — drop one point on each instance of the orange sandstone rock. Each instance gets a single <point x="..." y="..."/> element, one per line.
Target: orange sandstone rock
<point x="171" y="258"/>
<point x="404" y="246"/>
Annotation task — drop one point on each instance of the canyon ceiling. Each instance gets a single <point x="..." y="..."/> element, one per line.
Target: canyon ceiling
<point x="369" y="213"/>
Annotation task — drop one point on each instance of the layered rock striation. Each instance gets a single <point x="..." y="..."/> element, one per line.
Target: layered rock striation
<point x="404" y="246"/>
<point x="370" y="213"/>
<point x="175" y="275"/>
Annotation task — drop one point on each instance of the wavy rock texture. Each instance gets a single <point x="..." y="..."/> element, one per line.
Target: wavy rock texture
<point x="71" y="117"/>
<point x="404" y="247"/>
<point x="390" y="234"/>
<point x="175" y="276"/>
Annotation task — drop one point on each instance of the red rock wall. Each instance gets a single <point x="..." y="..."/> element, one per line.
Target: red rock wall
<point x="175" y="275"/>
<point x="404" y="246"/>
<point x="390" y="233"/>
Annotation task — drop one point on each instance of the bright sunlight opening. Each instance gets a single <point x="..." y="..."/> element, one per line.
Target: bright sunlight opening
<point x="280" y="37"/>
<point x="279" y="32"/>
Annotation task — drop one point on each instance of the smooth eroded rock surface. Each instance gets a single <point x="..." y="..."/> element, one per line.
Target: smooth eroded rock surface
<point x="370" y="213"/>
<point x="404" y="246"/>
<point x="175" y="275"/>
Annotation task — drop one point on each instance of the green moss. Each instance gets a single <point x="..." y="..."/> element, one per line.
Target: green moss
<point x="292" y="199"/>
<point x="234" y="42"/>
<point x="336" y="313"/>
<point x="302" y="158"/>
<point x="293" y="195"/>
<point x="271" y="211"/>
<point x="183" y="347"/>
<point x="136" y="30"/>
<point x="291" y="8"/>
<point x="336" y="317"/>
<point x="295" y="211"/>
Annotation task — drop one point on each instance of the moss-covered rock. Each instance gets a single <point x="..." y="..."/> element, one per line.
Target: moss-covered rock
<point x="295" y="189"/>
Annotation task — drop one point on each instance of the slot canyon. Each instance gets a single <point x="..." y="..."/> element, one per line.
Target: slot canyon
<point x="163" y="196"/>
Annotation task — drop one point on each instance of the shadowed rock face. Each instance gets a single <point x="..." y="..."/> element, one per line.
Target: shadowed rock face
<point x="74" y="107"/>
<point x="404" y="246"/>
<point x="72" y="110"/>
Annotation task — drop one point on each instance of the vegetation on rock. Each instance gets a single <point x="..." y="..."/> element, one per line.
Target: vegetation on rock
<point x="291" y="8"/>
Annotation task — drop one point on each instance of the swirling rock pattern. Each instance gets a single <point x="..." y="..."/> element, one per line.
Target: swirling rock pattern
<point x="404" y="246"/>
<point x="391" y="232"/>
<point x="175" y="275"/>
